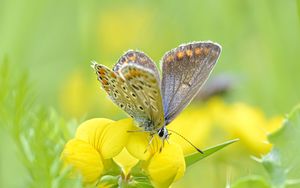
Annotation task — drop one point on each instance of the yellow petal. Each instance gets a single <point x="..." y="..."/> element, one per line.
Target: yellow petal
<point x="126" y="161"/>
<point x="90" y="130"/>
<point x="166" y="166"/>
<point x="137" y="145"/>
<point x="114" y="138"/>
<point x="106" y="136"/>
<point x="84" y="158"/>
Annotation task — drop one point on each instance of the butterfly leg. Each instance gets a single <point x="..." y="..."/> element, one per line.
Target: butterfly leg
<point x="149" y="143"/>
<point x="138" y="131"/>
<point x="162" y="146"/>
<point x="163" y="142"/>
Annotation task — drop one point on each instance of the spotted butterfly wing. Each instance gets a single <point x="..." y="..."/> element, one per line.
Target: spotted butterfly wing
<point x="117" y="89"/>
<point x="146" y="86"/>
<point x="185" y="69"/>
<point x="130" y="88"/>
<point x="137" y="58"/>
<point x="141" y="73"/>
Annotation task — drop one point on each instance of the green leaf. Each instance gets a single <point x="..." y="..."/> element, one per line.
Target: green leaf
<point x="251" y="181"/>
<point x="36" y="132"/>
<point x="139" y="177"/>
<point x="283" y="163"/>
<point x="193" y="158"/>
<point x="109" y="180"/>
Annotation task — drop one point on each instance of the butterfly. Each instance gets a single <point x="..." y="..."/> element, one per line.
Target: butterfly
<point x="135" y="86"/>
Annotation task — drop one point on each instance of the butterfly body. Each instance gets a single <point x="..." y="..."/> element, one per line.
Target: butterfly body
<point x="134" y="83"/>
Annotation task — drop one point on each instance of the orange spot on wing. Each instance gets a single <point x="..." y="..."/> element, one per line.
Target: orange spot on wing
<point x="180" y="55"/>
<point x="102" y="71"/>
<point x="104" y="82"/>
<point x="198" y="51"/>
<point x="132" y="73"/>
<point x="189" y="53"/>
<point x="132" y="58"/>
<point x="169" y="59"/>
<point x="113" y="75"/>
<point x="206" y="51"/>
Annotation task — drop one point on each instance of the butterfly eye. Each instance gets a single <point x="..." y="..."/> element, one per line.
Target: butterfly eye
<point x="161" y="133"/>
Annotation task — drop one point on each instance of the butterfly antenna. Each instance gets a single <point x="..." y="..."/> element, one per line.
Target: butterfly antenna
<point x="199" y="150"/>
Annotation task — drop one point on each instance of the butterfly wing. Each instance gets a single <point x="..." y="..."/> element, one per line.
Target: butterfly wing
<point x="134" y="87"/>
<point x="137" y="58"/>
<point x="118" y="90"/>
<point x="145" y="84"/>
<point x="185" y="69"/>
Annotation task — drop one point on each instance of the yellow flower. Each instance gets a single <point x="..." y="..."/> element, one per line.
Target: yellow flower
<point x="95" y="140"/>
<point x="163" y="166"/>
<point x="83" y="158"/>
<point x="98" y="140"/>
<point x="166" y="166"/>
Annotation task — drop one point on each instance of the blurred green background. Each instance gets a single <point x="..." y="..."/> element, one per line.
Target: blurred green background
<point x="55" y="41"/>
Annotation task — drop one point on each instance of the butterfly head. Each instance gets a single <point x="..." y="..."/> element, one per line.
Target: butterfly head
<point x="163" y="133"/>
